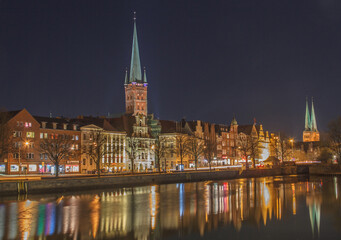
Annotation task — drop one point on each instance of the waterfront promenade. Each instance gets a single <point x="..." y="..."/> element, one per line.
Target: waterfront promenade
<point x="33" y="185"/>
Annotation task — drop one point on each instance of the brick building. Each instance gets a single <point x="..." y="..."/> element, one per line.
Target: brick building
<point x="27" y="131"/>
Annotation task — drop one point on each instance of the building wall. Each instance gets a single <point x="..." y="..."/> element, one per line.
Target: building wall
<point x="115" y="161"/>
<point x="136" y="98"/>
<point x="27" y="135"/>
<point x="311" y="136"/>
<point x="67" y="166"/>
<point x="25" y="129"/>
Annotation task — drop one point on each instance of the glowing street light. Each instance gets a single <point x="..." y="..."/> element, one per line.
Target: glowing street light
<point x="292" y="147"/>
<point x="26" y="144"/>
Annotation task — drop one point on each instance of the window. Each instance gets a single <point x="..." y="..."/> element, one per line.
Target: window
<point x="42" y="156"/>
<point x="2" y="168"/>
<point x="32" y="168"/>
<point x="30" y="155"/>
<point x="30" y="134"/>
<point x="41" y="135"/>
<point x="77" y="137"/>
<point x="84" y="161"/>
<point x="43" y="124"/>
<point x="28" y="124"/>
<point x="17" y="134"/>
<point x="14" y="168"/>
<point x="15" y="155"/>
<point x="65" y="126"/>
<point x="90" y="161"/>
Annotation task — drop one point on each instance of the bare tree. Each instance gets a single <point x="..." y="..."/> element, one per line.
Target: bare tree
<point x="96" y="149"/>
<point x="58" y="148"/>
<point x="160" y="150"/>
<point x="249" y="148"/>
<point x="132" y="148"/>
<point x="334" y="132"/>
<point x="210" y="148"/>
<point x="281" y="146"/>
<point x="182" y="146"/>
<point x="196" y="149"/>
<point x="254" y="150"/>
<point x="6" y="137"/>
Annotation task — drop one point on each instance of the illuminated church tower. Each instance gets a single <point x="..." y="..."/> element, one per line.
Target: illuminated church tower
<point x="310" y="133"/>
<point x="135" y="85"/>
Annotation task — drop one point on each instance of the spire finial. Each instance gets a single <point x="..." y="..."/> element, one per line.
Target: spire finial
<point x="144" y="75"/>
<point x="134" y="16"/>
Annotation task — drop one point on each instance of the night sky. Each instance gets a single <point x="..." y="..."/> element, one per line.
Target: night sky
<point x="205" y="59"/>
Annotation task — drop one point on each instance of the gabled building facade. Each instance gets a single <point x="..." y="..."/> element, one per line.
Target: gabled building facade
<point x="27" y="132"/>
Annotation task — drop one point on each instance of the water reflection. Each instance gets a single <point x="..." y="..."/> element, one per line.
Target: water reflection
<point x="176" y="210"/>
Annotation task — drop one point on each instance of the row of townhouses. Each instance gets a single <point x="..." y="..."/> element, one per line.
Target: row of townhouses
<point x="28" y="131"/>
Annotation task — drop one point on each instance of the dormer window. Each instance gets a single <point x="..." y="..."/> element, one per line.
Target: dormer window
<point x="43" y="124"/>
<point x="74" y="127"/>
<point x="65" y="126"/>
<point x="54" y="125"/>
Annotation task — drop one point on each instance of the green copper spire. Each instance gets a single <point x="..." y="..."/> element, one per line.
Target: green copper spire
<point x="126" y="81"/>
<point x="234" y="121"/>
<point x="144" y="76"/>
<point x="307" y="125"/>
<point x="313" y="118"/>
<point x="135" y="67"/>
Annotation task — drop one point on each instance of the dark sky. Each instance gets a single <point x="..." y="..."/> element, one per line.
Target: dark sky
<point x="205" y="59"/>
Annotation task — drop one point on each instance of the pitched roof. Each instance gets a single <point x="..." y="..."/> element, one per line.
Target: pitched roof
<point x="124" y="123"/>
<point x="246" y="129"/>
<point x="168" y="126"/>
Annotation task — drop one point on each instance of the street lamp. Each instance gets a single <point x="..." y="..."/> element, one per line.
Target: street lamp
<point x="292" y="147"/>
<point x="26" y="144"/>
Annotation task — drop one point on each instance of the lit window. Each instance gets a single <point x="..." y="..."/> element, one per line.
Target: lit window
<point x="30" y="134"/>
<point x="41" y="135"/>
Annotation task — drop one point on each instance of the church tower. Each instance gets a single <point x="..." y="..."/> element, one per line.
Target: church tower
<point x="310" y="133"/>
<point x="135" y="85"/>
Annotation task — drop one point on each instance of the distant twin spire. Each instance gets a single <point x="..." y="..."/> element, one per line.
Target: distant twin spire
<point x="310" y="121"/>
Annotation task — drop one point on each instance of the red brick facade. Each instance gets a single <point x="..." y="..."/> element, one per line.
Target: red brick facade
<point x="26" y="133"/>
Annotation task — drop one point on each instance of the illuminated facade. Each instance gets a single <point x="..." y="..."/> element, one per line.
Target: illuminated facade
<point x="26" y="133"/>
<point x="115" y="161"/>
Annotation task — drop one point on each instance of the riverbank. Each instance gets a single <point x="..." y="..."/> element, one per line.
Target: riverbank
<point x="72" y="184"/>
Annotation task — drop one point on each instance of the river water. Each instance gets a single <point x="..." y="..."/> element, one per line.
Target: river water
<point x="294" y="207"/>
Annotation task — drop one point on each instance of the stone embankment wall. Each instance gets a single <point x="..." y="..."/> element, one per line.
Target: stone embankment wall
<point x="69" y="184"/>
<point x="325" y="170"/>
